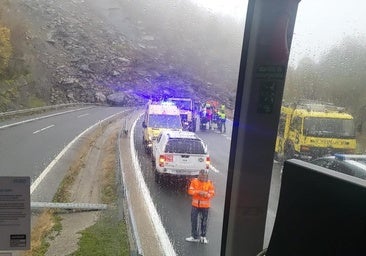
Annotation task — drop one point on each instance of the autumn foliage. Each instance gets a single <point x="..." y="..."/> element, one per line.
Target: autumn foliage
<point x="6" y="49"/>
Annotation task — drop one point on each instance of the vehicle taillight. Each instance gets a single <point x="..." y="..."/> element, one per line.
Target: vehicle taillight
<point x="304" y="148"/>
<point x="208" y="161"/>
<point x="165" y="158"/>
<point x="350" y="151"/>
<point x="161" y="160"/>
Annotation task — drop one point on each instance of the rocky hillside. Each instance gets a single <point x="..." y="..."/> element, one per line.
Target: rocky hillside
<point x="71" y="55"/>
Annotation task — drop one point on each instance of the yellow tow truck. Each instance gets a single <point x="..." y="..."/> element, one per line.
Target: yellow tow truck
<point x="310" y="129"/>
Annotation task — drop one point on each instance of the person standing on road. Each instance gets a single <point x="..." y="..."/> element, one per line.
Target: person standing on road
<point x="202" y="190"/>
<point x="222" y="119"/>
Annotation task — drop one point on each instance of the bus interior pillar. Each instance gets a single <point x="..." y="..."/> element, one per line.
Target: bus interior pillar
<point x="264" y="59"/>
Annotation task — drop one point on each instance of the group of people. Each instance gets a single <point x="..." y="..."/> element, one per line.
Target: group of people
<point x="211" y="113"/>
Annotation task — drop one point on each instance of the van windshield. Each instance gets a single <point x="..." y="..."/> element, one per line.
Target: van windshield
<point x="165" y="121"/>
<point x="183" y="104"/>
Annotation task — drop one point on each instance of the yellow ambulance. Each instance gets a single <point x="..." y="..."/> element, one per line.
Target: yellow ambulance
<point x="159" y="116"/>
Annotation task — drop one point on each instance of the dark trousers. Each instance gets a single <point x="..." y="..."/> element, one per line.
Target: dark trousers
<point x="200" y="214"/>
<point x="223" y="123"/>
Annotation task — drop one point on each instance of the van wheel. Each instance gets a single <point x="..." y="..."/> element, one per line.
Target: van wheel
<point x="193" y="125"/>
<point x="147" y="149"/>
<point x="289" y="152"/>
<point x="279" y="158"/>
<point x="157" y="177"/>
<point x="203" y="126"/>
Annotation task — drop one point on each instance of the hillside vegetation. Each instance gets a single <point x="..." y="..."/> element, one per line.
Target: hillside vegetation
<point x="54" y="52"/>
<point x="338" y="77"/>
<point x="66" y="51"/>
<point x="6" y="50"/>
<point x="17" y="84"/>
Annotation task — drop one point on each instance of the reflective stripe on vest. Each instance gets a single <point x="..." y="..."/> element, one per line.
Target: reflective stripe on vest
<point x="201" y="203"/>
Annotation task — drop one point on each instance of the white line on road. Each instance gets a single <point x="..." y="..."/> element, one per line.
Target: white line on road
<point x="38" y="181"/>
<point x="41" y="117"/>
<point x="213" y="168"/>
<point x="41" y="130"/>
<point x="155" y="218"/>
<point x="83" y="115"/>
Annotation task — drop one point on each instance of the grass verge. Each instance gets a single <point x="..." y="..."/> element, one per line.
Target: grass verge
<point x="108" y="236"/>
<point x="47" y="223"/>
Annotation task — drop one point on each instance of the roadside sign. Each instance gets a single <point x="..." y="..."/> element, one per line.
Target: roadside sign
<point x="15" y="213"/>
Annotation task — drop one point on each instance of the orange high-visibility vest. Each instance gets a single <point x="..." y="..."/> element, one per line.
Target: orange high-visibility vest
<point x="197" y="186"/>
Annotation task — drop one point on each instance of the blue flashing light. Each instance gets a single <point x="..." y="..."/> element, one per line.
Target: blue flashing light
<point x="343" y="157"/>
<point x="340" y="156"/>
<point x="167" y="103"/>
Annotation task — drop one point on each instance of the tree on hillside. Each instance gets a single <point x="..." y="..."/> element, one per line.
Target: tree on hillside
<point x="344" y="73"/>
<point x="338" y="77"/>
<point x="303" y="82"/>
<point x="5" y="49"/>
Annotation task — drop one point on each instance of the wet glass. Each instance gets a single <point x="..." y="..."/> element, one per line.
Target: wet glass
<point x="166" y="49"/>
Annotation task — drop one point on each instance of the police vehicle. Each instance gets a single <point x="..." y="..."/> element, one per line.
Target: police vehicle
<point x="351" y="164"/>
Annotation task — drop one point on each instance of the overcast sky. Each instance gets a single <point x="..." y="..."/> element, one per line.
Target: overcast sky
<point x="320" y="24"/>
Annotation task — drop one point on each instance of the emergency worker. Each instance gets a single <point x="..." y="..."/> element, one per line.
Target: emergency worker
<point x="222" y="118"/>
<point x="209" y="114"/>
<point x="202" y="190"/>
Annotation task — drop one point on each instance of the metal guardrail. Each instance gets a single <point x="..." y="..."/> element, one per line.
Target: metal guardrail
<point x="69" y="206"/>
<point x="134" y="236"/>
<point x="32" y="110"/>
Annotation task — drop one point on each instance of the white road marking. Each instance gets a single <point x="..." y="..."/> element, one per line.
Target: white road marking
<point x="213" y="168"/>
<point x="41" y="130"/>
<point x="38" y="181"/>
<point x="41" y="117"/>
<point x="83" y="115"/>
<point x="155" y="218"/>
<point x="227" y="137"/>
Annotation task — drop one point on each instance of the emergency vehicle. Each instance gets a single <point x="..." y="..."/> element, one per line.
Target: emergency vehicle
<point x="312" y="129"/>
<point x="159" y="116"/>
<point x="187" y="112"/>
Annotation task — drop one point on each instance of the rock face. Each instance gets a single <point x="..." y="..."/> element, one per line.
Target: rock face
<point x="81" y="59"/>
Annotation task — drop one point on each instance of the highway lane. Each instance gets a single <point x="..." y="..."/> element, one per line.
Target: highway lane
<point x="219" y="146"/>
<point x="28" y="148"/>
<point x="174" y="205"/>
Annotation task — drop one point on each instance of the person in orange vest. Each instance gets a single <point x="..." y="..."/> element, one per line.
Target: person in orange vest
<point x="202" y="190"/>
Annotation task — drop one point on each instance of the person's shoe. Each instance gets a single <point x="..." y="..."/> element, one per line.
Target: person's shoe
<point x="204" y="240"/>
<point x="192" y="239"/>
